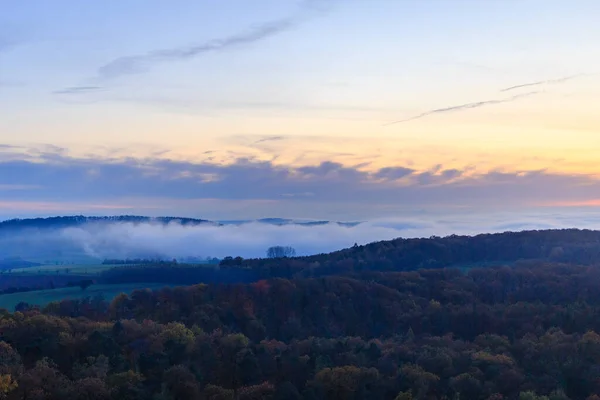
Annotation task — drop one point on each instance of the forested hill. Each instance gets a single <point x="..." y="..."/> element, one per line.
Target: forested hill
<point x="77" y="220"/>
<point x="572" y="246"/>
<point x="58" y="222"/>
<point x="527" y="332"/>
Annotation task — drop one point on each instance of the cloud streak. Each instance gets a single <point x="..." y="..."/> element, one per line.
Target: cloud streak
<point x="269" y="139"/>
<point x="545" y="82"/>
<point x="143" y="62"/>
<point x="467" y="106"/>
<point x="78" y="90"/>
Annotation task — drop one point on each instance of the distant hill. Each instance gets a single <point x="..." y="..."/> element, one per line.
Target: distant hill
<point x="16" y="262"/>
<point x="77" y="220"/>
<point x="50" y="241"/>
<point x="286" y="221"/>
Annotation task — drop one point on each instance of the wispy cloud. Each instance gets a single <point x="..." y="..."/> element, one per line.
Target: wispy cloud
<point x="270" y="139"/>
<point x="139" y="63"/>
<point x="545" y="82"/>
<point x="78" y="90"/>
<point x="143" y="62"/>
<point x="466" y="107"/>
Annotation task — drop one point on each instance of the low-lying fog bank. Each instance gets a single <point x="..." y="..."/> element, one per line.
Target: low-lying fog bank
<point x="173" y="240"/>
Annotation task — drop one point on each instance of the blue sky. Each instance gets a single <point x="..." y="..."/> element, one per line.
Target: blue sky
<point x="317" y="108"/>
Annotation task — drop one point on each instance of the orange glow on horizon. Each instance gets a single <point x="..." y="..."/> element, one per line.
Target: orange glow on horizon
<point x="576" y="203"/>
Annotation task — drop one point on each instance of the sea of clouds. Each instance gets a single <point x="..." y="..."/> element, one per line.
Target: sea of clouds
<point x="125" y="240"/>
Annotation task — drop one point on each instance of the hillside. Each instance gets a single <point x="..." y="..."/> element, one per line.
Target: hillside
<point x="567" y="245"/>
<point x="511" y="316"/>
<point x="488" y="334"/>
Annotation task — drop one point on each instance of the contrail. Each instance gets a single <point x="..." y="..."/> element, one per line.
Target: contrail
<point x="465" y="107"/>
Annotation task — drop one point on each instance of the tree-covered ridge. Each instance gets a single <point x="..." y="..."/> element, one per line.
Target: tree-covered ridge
<point x="363" y="323"/>
<point x="487" y="333"/>
<point x="562" y="245"/>
<point x="77" y="220"/>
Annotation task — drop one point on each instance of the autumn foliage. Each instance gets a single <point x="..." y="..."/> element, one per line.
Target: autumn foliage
<point x="528" y="331"/>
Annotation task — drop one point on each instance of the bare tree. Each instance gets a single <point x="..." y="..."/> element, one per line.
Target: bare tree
<point x="280" y="252"/>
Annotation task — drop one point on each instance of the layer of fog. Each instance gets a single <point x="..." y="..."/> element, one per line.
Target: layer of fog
<point x="252" y="239"/>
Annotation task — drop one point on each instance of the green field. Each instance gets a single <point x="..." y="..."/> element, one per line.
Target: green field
<point x="78" y="269"/>
<point x="43" y="297"/>
<point x="75" y="269"/>
<point x="67" y="258"/>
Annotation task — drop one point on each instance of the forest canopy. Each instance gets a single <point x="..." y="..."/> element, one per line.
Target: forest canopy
<point x="519" y="330"/>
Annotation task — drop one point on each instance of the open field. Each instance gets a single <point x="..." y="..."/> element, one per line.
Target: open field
<point x="74" y="269"/>
<point x="43" y="297"/>
<point x="65" y="258"/>
<point x="79" y="269"/>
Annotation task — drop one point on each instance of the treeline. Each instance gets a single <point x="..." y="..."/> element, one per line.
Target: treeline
<point x="506" y="301"/>
<point x="161" y="261"/>
<point x="140" y="261"/>
<point x="77" y="220"/>
<point x="173" y="273"/>
<point x="488" y="333"/>
<point x="38" y="281"/>
<point x="567" y="245"/>
<point x="168" y="272"/>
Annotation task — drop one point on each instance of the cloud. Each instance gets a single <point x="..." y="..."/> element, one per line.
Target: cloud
<point x="247" y="185"/>
<point x="465" y="107"/>
<point x="78" y="90"/>
<point x="305" y="194"/>
<point x="546" y="82"/>
<point x="269" y="139"/>
<point x="140" y="63"/>
<point x="394" y="173"/>
<point x="69" y="207"/>
<point x="124" y="240"/>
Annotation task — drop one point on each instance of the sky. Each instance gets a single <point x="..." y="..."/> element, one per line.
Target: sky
<point x="326" y="109"/>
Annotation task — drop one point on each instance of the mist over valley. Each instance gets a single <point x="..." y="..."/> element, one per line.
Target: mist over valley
<point x="92" y="239"/>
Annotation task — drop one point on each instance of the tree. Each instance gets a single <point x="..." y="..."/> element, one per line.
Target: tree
<point x="7" y="385"/>
<point x="346" y="382"/>
<point x="404" y="396"/>
<point x="10" y="361"/>
<point x="530" y="395"/>
<point x="180" y="384"/>
<point x="280" y="252"/>
<point x="85" y="283"/>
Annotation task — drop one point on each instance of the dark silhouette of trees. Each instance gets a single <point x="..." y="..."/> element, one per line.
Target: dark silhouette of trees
<point x="280" y="252"/>
<point x="85" y="283"/>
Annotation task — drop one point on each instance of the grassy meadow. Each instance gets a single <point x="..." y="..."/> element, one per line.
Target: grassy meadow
<point x="74" y="269"/>
<point x="43" y="297"/>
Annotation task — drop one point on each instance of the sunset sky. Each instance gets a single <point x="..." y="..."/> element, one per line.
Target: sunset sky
<point x="342" y="109"/>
